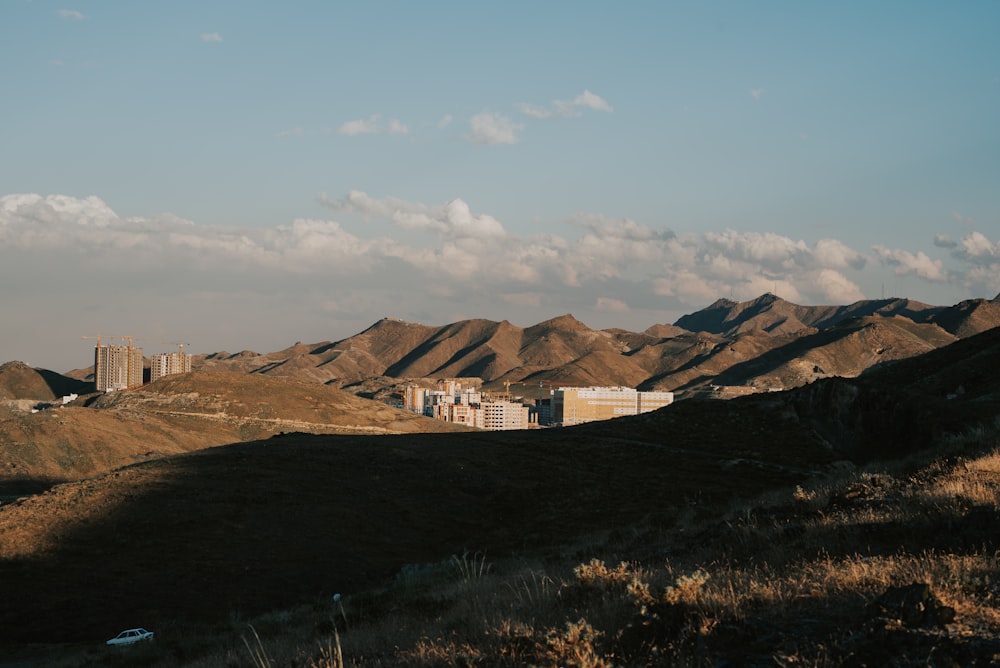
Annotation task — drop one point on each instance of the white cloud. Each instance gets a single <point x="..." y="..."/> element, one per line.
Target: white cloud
<point x="976" y="245"/>
<point x="980" y="258"/>
<point x="623" y="228"/>
<point x="493" y="128"/>
<point x="373" y="126"/>
<point x="211" y="37"/>
<point x="445" y="121"/>
<point x="836" y="288"/>
<point x="452" y="239"/>
<point x="985" y="278"/>
<point x="71" y="15"/>
<point x="324" y="246"/>
<point x="756" y="93"/>
<point x="838" y="255"/>
<point x="535" y="111"/>
<point x="30" y="209"/>
<point x="367" y="126"/>
<point x="699" y="266"/>
<point x="567" y="108"/>
<point x="294" y="132"/>
<point x="772" y="250"/>
<point x="588" y="100"/>
<point x="611" y="305"/>
<point x="917" y="264"/>
<point x="452" y="220"/>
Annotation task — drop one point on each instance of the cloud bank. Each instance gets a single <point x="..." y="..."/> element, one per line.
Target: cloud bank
<point x="432" y="263"/>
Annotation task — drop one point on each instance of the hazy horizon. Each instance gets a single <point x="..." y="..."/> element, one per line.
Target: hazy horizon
<point x="248" y="175"/>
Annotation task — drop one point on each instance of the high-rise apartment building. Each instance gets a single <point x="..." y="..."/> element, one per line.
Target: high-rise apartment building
<point x="166" y="364"/>
<point x="505" y="415"/>
<point x="117" y="367"/>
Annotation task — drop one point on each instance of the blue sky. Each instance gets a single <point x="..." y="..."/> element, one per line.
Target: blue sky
<point x="248" y="174"/>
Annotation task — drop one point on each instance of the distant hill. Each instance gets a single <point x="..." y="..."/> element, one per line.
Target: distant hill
<point x="716" y="346"/>
<point x="688" y="356"/>
<point x="493" y="351"/>
<point x="179" y="414"/>
<point x="20" y="381"/>
<point x="969" y="317"/>
<point x="774" y="315"/>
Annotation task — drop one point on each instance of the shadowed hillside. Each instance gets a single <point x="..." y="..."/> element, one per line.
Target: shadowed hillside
<point x="179" y="414"/>
<point x="254" y="526"/>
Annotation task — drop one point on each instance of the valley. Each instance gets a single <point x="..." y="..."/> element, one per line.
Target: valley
<point x="224" y="494"/>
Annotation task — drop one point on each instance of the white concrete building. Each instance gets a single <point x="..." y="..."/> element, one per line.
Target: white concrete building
<point x="577" y="405"/>
<point x="166" y="364"/>
<point x="505" y="415"/>
<point x="117" y="367"/>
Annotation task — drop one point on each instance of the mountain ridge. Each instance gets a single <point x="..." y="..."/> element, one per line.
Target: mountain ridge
<point x="686" y="356"/>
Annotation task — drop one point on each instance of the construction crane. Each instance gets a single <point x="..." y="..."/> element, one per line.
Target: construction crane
<point x="180" y="344"/>
<point x="110" y="336"/>
<point x="542" y="384"/>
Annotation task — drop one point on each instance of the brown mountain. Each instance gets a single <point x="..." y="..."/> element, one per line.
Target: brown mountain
<point x="20" y="381"/>
<point x="846" y="349"/>
<point x="563" y="350"/>
<point x="485" y="349"/>
<point x="774" y="315"/>
<point x="969" y="317"/>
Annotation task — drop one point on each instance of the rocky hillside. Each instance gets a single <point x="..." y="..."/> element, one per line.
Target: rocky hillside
<point x="687" y="357"/>
<point x="19" y="381"/>
<point x="723" y="344"/>
<point x="774" y="315"/>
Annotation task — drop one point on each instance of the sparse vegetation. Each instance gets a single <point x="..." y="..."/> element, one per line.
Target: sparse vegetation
<point x="892" y="564"/>
<point x="713" y="534"/>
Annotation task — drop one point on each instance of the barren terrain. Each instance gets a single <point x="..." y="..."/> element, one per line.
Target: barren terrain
<point x="276" y="519"/>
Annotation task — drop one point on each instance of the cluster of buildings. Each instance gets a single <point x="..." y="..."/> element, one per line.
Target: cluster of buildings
<point x="564" y="407"/>
<point x="121" y="367"/>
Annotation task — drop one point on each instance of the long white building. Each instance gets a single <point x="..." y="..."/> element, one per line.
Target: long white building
<point x="576" y="405"/>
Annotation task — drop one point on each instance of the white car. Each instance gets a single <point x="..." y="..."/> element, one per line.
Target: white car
<point x="131" y="636"/>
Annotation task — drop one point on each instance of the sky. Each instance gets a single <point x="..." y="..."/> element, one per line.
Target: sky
<point x="247" y="175"/>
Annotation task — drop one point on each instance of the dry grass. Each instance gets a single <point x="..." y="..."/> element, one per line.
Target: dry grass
<point x="796" y="577"/>
<point x="808" y="592"/>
